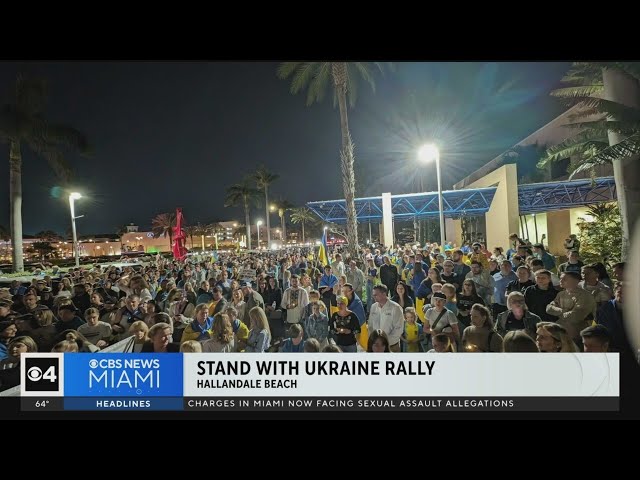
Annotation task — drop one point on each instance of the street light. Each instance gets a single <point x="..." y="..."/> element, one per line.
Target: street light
<point x="73" y="196"/>
<point x="259" y="223"/>
<point x="427" y="153"/>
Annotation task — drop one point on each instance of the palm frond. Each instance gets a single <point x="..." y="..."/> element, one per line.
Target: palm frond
<point x="303" y="75"/>
<point x="628" y="147"/>
<point x="67" y="136"/>
<point x="602" y="127"/>
<point x="286" y="69"/>
<point x="31" y="94"/>
<point x="319" y="83"/>
<point x="578" y="92"/>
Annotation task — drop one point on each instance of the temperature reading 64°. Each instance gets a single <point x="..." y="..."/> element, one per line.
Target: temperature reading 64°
<point x="42" y="403"/>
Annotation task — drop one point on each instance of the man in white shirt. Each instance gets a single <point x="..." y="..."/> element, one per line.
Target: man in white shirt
<point x="294" y="300"/>
<point x="338" y="266"/>
<point x="387" y="316"/>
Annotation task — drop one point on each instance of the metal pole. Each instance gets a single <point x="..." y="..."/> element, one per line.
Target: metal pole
<point x="535" y="224"/>
<point x="73" y="229"/>
<point x="442" y="233"/>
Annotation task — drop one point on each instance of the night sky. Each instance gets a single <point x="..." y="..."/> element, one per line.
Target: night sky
<point x="169" y="135"/>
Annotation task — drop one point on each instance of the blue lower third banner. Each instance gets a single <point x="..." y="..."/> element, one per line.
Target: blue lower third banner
<point x="123" y="403"/>
<point x="145" y="376"/>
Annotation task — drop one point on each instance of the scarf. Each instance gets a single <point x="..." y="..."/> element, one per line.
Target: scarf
<point x="203" y="331"/>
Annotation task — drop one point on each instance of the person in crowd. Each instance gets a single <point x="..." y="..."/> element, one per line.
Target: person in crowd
<point x="426" y="287"/>
<point x="480" y="336"/>
<point x="450" y="291"/>
<point x="66" y="346"/>
<point x="191" y="346"/>
<point x="573" y="307"/>
<point x="240" y="330"/>
<point x="465" y="301"/>
<point x="611" y="316"/>
<point x="84" y="345"/>
<point x="442" y="344"/>
<point x="441" y="320"/>
<point x="501" y="281"/>
<point x="237" y="302"/>
<point x="519" y="341"/>
<point x="595" y="338"/>
<point x="618" y="271"/>
<point x="355" y="277"/>
<point x="68" y="318"/>
<point x="416" y="276"/>
<point x="126" y="315"/>
<point x="373" y="278"/>
<point x="573" y="264"/>
<point x="331" y="348"/>
<point x="10" y="366"/>
<point x="386" y="315"/>
<point x="294" y="301"/>
<point x="355" y="304"/>
<point x="572" y="243"/>
<point x="402" y="296"/>
<point x="547" y="259"/>
<point x="252" y="299"/>
<point x="311" y="346"/>
<point x="295" y="343"/>
<point x="95" y="331"/>
<point x="459" y="267"/>
<point x="160" y="336"/>
<point x="344" y="325"/>
<point x="378" y="342"/>
<point x="553" y="337"/>
<point x="498" y="255"/>
<point x="259" y="338"/>
<point x="484" y="282"/>
<point x="8" y="332"/>
<point x="139" y="330"/>
<point x="316" y="325"/>
<point x="478" y="256"/>
<point x="592" y="284"/>
<point x="413" y="332"/>
<point x="494" y="267"/>
<point x="538" y="296"/>
<point x="222" y="338"/>
<point x="389" y="274"/>
<point x="201" y="328"/>
<point x="448" y="275"/>
<point x="134" y="285"/>
<point x="522" y="282"/>
<point x="517" y="317"/>
<point x="218" y="303"/>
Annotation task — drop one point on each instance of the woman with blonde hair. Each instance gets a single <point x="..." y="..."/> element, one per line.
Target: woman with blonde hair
<point x="344" y="326"/>
<point x="222" y="339"/>
<point x="139" y="330"/>
<point x="191" y="346"/>
<point x="135" y="285"/>
<point x="259" y="336"/>
<point x="552" y="337"/>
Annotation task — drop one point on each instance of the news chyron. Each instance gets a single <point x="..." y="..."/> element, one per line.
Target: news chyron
<point x="102" y="382"/>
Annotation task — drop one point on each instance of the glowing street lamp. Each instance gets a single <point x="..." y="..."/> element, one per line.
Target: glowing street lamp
<point x="426" y="154"/>
<point x="73" y="196"/>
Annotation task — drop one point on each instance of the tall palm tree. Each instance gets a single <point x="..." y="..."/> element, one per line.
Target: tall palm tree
<point x="162" y="226"/>
<point x="282" y="206"/>
<point x="264" y="178"/>
<point x="190" y="231"/>
<point x="22" y="122"/>
<point x="302" y="215"/>
<point x="243" y="194"/>
<point x="315" y="76"/>
<point x="609" y="123"/>
<point x="213" y="229"/>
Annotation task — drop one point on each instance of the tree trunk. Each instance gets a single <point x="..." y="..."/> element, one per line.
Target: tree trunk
<point x="266" y="211"/>
<point x="281" y="213"/>
<point x="15" y="192"/>
<point x="247" y="221"/>
<point x="303" y="231"/>
<point x="347" y="159"/>
<point x="620" y="88"/>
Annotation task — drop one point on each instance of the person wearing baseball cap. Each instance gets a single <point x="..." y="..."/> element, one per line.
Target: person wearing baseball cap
<point x="440" y="319"/>
<point x="252" y="299"/>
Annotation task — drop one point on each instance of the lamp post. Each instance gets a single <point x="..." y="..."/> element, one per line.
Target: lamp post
<point x="258" y="224"/>
<point x="427" y="153"/>
<point x="73" y="196"/>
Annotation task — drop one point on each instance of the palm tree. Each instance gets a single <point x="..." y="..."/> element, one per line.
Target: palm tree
<point x="22" y="122"/>
<point x="162" y="226"/>
<point x="190" y="231"/>
<point x="302" y="215"/>
<point x="212" y="228"/>
<point x="264" y="178"/>
<point x="243" y="194"/>
<point x="48" y="236"/>
<point x="609" y="123"/>
<point x="283" y="206"/>
<point x="315" y="76"/>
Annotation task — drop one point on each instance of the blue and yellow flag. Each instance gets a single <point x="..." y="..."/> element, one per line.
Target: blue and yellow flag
<point x="323" y="256"/>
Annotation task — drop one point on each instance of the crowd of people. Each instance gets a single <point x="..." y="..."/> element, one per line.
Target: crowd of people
<point x="406" y="299"/>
